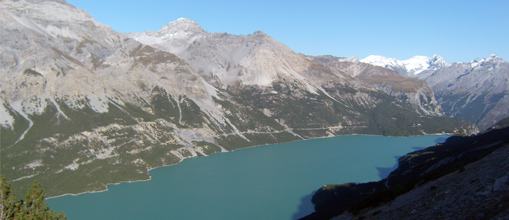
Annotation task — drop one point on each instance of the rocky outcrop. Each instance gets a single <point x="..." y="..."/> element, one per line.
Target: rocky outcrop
<point x="464" y="177"/>
<point x="479" y="191"/>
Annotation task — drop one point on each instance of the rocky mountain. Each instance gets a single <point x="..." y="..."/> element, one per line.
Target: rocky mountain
<point x="259" y="60"/>
<point x="462" y="178"/>
<point x="476" y="90"/>
<point x="414" y="91"/>
<point x="83" y="105"/>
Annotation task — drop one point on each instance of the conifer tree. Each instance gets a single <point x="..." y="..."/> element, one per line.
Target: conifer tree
<point x="33" y="208"/>
<point x="9" y="206"/>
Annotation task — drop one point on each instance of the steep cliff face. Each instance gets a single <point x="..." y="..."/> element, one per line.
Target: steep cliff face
<point x="84" y="105"/>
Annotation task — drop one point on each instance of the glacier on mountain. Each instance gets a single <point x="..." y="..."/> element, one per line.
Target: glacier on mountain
<point x="411" y="67"/>
<point x="477" y="90"/>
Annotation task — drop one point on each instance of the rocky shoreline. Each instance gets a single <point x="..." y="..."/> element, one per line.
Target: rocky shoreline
<point x="465" y="176"/>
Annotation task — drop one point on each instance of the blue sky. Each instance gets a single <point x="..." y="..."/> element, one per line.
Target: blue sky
<point x="458" y="30"/>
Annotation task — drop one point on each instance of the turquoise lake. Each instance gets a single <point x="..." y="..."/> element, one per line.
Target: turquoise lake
<point x="265" y="182"/>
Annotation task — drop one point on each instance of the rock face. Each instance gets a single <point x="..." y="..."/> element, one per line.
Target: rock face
<point x="86" y="106"/>
<point x="462" y="178"/>
<point x="477" y="90"/>
<point x="414" y="91"/>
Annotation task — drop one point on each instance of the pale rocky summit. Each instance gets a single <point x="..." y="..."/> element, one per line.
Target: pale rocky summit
<point x="225" y="59"/>
<point x="69" y="81"/>
<point x="228" y="61"/>
<point x="175" y="37"/>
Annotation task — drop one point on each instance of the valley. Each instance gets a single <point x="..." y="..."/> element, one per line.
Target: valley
<point x="83" y="106"/>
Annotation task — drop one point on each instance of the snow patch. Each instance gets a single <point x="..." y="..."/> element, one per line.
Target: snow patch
<point x="413" y="66"/>
<point x="382" y="61"/>
<point x="417" y="64"/>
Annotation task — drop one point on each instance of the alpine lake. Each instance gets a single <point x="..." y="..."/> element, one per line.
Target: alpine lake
<point x="264" y="182"/>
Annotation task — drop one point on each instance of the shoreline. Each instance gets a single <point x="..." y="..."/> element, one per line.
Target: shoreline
<point x="150" y="169"/>
<point x="99" y="191"/>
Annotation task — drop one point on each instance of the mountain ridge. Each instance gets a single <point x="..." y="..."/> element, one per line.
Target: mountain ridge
<point x="475" y="90"/>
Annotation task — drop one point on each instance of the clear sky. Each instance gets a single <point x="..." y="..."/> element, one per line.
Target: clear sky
<point x="458" y="30"/>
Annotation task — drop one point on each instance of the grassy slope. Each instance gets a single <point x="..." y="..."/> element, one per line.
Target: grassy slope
<point x="151" y="139"/>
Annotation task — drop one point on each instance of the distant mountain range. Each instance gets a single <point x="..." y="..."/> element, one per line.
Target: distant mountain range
<point x="82" y="105"/>
<point x="476" y="90"/>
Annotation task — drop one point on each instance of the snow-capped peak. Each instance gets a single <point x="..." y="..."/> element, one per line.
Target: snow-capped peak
<point x="437" y="59"/>
<point x="494" y="58"/>
<point x="412" y="66"/>
<point x="382" y="61"/>
<point x="491" y="61"/>
<point x="418" y="64"/>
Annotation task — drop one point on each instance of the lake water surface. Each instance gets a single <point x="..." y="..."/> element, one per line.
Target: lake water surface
<point x="265" y="182"/>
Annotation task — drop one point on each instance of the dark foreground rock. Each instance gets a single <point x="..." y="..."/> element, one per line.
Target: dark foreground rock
<point x="463" y="178"/>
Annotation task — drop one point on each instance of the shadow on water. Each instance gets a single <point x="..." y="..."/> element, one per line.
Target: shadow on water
<point x="383" y="172"/>
<point x="437" y="141"/>
<point x="440" y="140"/>
<point x="305" y="208"/>
<point x="419" y="148"/>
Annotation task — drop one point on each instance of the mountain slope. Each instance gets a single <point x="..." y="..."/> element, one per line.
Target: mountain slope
<point x="477" y="90"/>
<point x="92" y="103"/>
<point x="414" y="91"/>
<point x="229" y="61"/>
<point x="460" y="178"/>
<point x="83" y="106"/>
